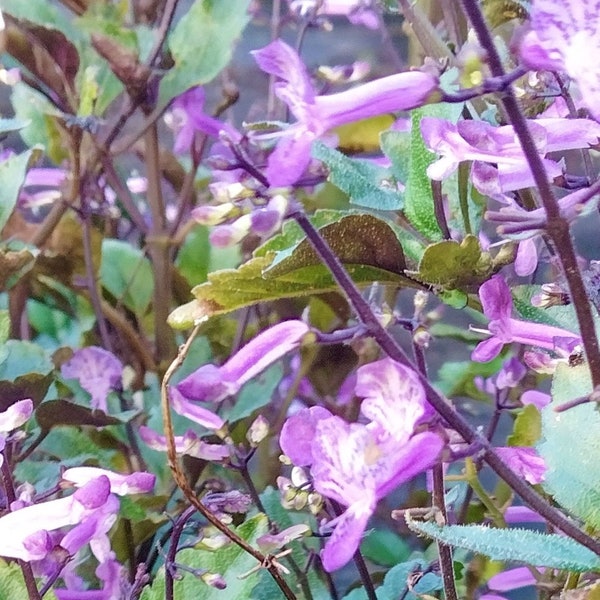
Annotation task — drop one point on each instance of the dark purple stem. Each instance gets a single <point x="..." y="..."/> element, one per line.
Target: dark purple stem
<point x="178" y="527"/>
<point x="441" y="404"/>
<point x="557" y="226"/>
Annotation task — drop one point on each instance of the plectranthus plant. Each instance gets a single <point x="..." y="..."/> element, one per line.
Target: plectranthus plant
<point x="299" y="299"/>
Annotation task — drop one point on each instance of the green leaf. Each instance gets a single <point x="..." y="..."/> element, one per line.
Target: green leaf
<point x="271" y="500"/>
<point x="202" y="44"/>
<point x="385" y="547"/>
<point x="570" y="446"/>
<point x="228" y="290"/>
<point x="32" y="107"/>
<point x="557" y="316"/>
<point x="12" y="176"/>
<point x="396" y="583"/>
<point x="12" y="125"/>
<point x="194" y="256"/>
<point x="255" y="395"/>
<point x="229" y="561"/>
<point x="410" y="159"/>
<point x="12" y="584"/>
<point x="25" y="372"/>
<point x="365" y="183"/>
<point x="452" y="265"/>
<point x="527" y="428"/>
<point x="4" y="326"/>
<point x="126" y="273"/>
<point x="537" y="549"/>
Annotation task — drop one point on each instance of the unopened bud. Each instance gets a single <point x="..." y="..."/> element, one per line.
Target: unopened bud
<point x="212" y="215"/>
<point x="258" y="431"/>
<point x="214" y="580"/>
<point x="421" y="337"/>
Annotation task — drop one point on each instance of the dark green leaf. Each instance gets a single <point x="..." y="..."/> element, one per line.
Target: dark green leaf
<point x="62" y="412"/>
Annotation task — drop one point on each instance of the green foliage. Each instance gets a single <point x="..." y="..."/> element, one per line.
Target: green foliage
<point x="453" y="265"/>
<point x="12" y="176"/>
<point x="12" y="584"/>
<point x="384" y="547"/>
<point x="396" y="583"/>
<point x="202" y="44"/>
<point x="256" y="394"/>
<point x="366" y="245"/>
<point x="522" y="545"/>
<point x="570" y="446"/>
<point x="194" y="256"/>
<point x="527" y="428"/>
<point x="365" y="183"/>
<point x="229" y="561"/>
<point x="127" y="275"/>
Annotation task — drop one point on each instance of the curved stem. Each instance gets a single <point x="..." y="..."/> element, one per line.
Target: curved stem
<point x="185" y="487"/>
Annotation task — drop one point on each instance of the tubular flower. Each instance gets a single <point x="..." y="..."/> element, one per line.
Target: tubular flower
<point x="316" y="115"/>
<point x="212" y="384"/>
<point x="503" y="329"/>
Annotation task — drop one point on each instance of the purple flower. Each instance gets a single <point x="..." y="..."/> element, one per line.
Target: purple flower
<point x="499" y="146"/>
<point x="318" y="114"/>
<point x="358" y="12"/>
<point x="357" y="464"/>
<point x="98" y="371"/>
<point x="503" y="329"/>
<point x="189" y="444"/>
<point x="23" y="532"/>
<point x="139" y="482"/>
<point x="298" y="433"/>
<point x="212" y="384"/>
<point x="564" y="36"/>
<point x="526" y="462"/>
<point x="187" y="116"/>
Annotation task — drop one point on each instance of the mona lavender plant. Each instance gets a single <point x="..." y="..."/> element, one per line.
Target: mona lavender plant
<point x="280" y="314"/>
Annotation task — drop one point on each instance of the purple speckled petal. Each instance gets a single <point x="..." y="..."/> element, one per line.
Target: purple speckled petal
<point x="526" y="462"/>
<point x="298" y="432"/>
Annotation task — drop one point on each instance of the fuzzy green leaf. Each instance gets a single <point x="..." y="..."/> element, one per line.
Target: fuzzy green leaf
<point x="453" y="265"/>
<point x="365" y="183"/>
<point x="570" y="446"/>
<point x="522" y="545"/>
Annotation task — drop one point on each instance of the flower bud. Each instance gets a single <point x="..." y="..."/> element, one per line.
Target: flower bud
<point x="258" y="431"/>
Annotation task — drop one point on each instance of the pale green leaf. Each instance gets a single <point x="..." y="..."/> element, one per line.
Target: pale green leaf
<point x="201" y="44"/>
<point x="570" y="446"/>
<point x="365" y="183"/>
<point x="522" y="545"/>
